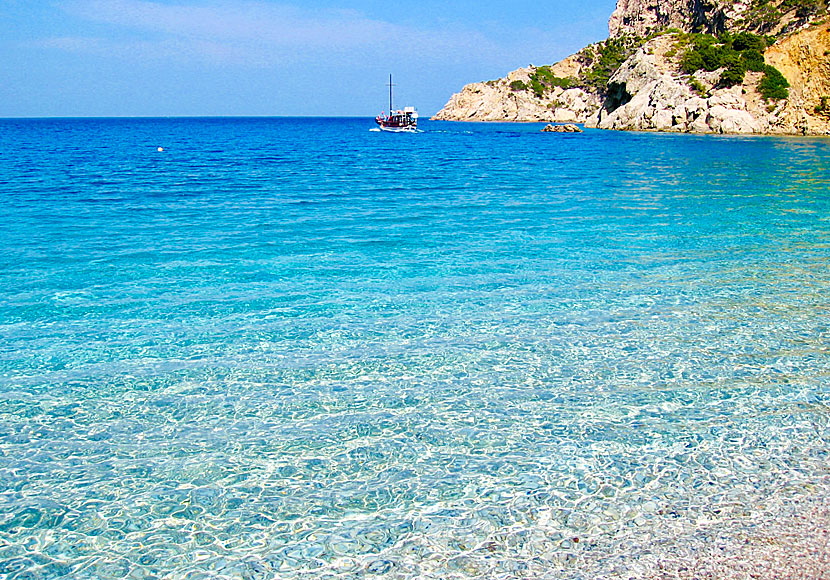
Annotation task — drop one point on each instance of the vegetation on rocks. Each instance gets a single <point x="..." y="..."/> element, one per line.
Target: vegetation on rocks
<point x="773" y="86"/>
<point x="542" y="80"/>
<point x="766" y="15"/>
<point x="607" y="57"/>
<point x="823" y="108"/>
<point x="735" y="54"/>
<point x="697" y="87"/>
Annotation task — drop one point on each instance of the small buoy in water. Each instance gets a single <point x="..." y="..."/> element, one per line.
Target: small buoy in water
<point x="161" y="148"/>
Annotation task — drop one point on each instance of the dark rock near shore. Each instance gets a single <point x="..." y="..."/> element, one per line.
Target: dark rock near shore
<point x="569" y="128"/>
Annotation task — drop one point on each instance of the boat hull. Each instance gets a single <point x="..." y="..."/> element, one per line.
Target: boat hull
<point x="405" y="121"/>
<point x="409" y="129"/>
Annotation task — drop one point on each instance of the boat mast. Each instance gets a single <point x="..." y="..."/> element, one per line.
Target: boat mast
<point x="390" y="94"/>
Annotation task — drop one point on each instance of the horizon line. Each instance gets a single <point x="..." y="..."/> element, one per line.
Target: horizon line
<point x="80" y="117"/>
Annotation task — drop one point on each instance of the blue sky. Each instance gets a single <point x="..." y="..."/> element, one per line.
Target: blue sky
<point x="263" y="57"/>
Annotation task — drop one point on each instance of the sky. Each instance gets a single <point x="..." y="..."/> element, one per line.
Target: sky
<point x="124" y="58"/>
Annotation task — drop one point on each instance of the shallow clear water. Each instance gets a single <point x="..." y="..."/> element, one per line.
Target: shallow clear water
<point x="296" y="348"/>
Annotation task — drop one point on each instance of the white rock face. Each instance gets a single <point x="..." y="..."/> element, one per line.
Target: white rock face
<point x="643" y="96"/>
<point x="642" y="17"/>
<point x="647" y="93"/>
<point x="639" y="17"/>
<point x="497" y="101"/>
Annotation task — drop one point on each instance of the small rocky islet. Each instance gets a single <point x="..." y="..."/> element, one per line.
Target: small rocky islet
<point x="566" y="128"/>
<point x="721" y="66"/>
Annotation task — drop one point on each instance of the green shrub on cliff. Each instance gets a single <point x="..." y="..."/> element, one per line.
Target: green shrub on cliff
<point x="773" y="85"/>
<point x="608" y="58"/>
<point x="537" y="87"/>
<point x="704" y="52"/>
<point x="692" y="62"/>
<point x="766" y="15"/>
<point x="737" y="54"/>
<point x="823" y="108"/>
<point x="518" y="86"/>
<point x="542" y="79"/>
<point x="746" y="41"/>
<point x="753" y="59"/>
<point x="546" y="76"/>
<point x="803" y="8"/>
<point x="697" y="87"/>
<point x="735" y="71"/>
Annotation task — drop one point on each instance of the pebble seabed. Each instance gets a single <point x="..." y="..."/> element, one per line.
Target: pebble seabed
<point x="792" y="542"/>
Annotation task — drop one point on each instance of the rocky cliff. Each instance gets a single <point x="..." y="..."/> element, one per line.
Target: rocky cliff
<point x="650" y="91"/>
<point x="663" y="69"/>
<point x="645" y="17"/>
<point x="804" y="59"/>
<point x="512" y="98"/>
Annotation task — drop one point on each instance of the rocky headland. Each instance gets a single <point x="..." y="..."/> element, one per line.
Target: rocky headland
<point x="698" y="66"/>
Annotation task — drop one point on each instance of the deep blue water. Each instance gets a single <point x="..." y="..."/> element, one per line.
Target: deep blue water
<point x="295" y="348"/>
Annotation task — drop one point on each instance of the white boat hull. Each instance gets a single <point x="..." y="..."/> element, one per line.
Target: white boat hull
<point x="399" y="129"/>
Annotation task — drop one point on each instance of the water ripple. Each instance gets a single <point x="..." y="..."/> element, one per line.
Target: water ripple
<point x="298" y="349"/>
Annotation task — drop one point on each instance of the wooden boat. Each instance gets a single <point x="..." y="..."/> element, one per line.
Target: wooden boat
<point x="402" y="120"/>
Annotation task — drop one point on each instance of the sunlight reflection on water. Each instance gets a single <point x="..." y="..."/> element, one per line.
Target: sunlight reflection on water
<point x="512" y="358"/>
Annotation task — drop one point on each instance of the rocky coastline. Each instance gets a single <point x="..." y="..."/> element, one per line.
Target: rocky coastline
<point x="640" y="79"/>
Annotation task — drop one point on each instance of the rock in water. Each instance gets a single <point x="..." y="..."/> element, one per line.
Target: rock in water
<point x="569" y="128"/>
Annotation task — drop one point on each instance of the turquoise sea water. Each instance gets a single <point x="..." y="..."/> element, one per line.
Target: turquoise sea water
<point x="295" y="348"/>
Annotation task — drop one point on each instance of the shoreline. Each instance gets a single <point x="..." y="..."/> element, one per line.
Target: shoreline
<point x="788" y="541"/>
<point x="585" y="125"/>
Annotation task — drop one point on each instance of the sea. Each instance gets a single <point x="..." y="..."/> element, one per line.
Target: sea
<point x="298" y="348"/>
